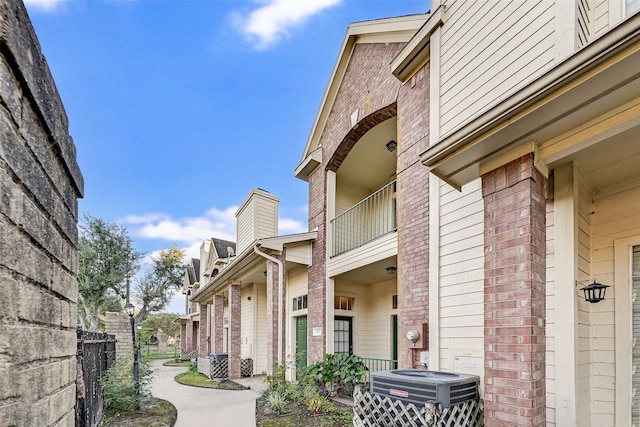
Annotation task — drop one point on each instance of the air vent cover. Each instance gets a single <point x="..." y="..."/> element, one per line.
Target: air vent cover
<point x="417" y="386"/>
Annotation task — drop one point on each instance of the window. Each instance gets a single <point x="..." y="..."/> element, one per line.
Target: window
<point x="343" y="303"/>
<point x="300" y="303"/>
<point x="342" y="335"/>
<point x="394" y="301"/>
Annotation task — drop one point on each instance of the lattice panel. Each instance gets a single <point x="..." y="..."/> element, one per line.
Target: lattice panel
<point x="219" y="369"/>
<point x="372" y="410"/>
<point x="246" y="367"/>
<point x="186" y="355"/>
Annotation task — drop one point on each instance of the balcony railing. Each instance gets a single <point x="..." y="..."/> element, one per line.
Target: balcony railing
<point x="371" y="218"/>
<point x="376" y="365"/>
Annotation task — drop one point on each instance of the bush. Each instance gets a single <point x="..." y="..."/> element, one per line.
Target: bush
<point x="337" y="372"/>
<point x="118" y="388"/>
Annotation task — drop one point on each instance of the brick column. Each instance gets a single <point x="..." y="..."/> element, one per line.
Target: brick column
<point x="203" y="337"/>
<point x="183" y="336"/>
<point x="235" y="340"/>
<point x="514" y="295"/>
<point x="217" y="319"/>
<point x="272" y="315"/>
<point x="189" y="335"/>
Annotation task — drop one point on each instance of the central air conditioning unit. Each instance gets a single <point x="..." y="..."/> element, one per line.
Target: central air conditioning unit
<point x="418" y="387"/>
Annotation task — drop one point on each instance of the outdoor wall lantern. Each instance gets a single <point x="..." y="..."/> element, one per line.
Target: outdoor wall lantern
<point x="594" y="292"/>
<point x="129" y="308"/>
<point x="391" y="146"/>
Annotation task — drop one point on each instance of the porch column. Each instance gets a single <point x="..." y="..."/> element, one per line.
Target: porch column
<point x="235" y="341"/>
<point x="514" y="294"/>
<point x="203" y="337"/>
<point x="217" y="319"/>
<point x="272" y="315"/>
<point x="189" y="335"/>
<point x="183" y="337"/>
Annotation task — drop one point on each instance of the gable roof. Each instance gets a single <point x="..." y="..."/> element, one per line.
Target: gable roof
<point x="222" y="247"/>
<point x="399" y="29"/>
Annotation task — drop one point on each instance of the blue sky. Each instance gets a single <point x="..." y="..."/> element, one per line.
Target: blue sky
<point x="178" y="109"/>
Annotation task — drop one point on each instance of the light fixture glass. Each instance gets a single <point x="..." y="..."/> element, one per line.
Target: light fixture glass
<point x="594" y="292"/>
<point x="391" y="146"/>
<point x="129" y="309"/>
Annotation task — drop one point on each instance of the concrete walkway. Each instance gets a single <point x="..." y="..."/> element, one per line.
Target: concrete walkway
<point x="203" y="406"/>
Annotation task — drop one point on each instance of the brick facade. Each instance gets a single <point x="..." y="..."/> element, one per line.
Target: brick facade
<point x="235" y="340"/>
<point x="203" y="339"/>
<point x="514" y="294"/>
<point x="413" y="213"/>
<point x="272" y="315"/>
<point x="370" y="88"/>
<point x="40" y="183"/>
<point x="217" y="320"/>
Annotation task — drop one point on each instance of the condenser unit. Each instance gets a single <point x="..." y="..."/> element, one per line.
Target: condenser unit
<point x="418" y="386"/>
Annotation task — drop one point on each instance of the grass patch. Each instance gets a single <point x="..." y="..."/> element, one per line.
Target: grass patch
<point x="195" y="379"/>
<point x="178" y="363"/>
<point x="296" y="413"/>
<point x="160" y="413"/>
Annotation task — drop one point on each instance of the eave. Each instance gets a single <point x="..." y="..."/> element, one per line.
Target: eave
<point x="580" y="90"/>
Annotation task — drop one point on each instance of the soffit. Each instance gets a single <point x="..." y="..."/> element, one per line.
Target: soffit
<point x="580" y="91"/>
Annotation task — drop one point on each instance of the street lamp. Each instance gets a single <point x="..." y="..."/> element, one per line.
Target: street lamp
<point x="129" y="308"/>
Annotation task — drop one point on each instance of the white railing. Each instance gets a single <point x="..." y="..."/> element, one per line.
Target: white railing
<point x="371" y="218"/>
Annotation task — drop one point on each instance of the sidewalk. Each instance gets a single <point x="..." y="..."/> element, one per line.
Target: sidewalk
<point x="203" y="406"/>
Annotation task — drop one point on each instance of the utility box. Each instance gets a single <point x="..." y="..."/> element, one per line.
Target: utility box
<point x="219" y="366"/>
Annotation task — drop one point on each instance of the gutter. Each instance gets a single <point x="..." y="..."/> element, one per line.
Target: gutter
<point x="280" y="290"/>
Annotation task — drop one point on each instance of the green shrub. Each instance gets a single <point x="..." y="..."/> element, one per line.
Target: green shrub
<point x="275" y="403"/>
<point x="337" y="372"/>
<point x="118" y="388"/>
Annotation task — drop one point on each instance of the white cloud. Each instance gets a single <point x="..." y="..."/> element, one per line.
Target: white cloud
<point x="291" y="226"/>
<point x="269" y="23"/>
<point x="43" y="4"/>
<point x="215" y="223"/>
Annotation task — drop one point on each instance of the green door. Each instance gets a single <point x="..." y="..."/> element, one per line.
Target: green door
<point x="301" y="342"/>
<point x="394" y="333"/>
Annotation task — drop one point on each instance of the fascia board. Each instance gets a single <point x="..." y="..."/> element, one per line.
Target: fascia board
<point x="416" y="51"/>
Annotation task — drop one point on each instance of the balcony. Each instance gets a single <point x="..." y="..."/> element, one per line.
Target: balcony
<point x="368" y="220"/>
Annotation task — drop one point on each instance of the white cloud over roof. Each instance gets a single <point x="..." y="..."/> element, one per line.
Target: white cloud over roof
<point x="267" y="24"/>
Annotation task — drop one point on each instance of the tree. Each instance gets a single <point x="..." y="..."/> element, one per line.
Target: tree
<point x="105" y="259"/>
<point x="157" y="285"/>
<point x="163" y="321"/>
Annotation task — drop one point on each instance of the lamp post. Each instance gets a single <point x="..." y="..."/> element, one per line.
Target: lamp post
<point x="129" y="308"/>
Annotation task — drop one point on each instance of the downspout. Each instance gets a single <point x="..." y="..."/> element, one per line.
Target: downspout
<point x="280" y="289"/>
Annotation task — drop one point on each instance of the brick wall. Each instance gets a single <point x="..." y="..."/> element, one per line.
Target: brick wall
<point x="203" y="338"/>
<point x="514" y="198"/>
<point x="39" y="185"/>
<point x="412" y="195"/>
<point x="272" y="315"/>
<point x="235" y="330"/>
<point x="118" y="324"/>
<point x="217" y="320"/>
<point x="369" y="87"/>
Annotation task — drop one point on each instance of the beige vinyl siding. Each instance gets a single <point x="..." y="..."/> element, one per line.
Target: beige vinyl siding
<point x="371" y="317"/>
<point x="266" y="218"/>
<point x="550" y="326"/>
<point x="348" y="195"/>
<point x="244" y="230"/>
<point x="246" y="322"/>
<point x="299" y="253"/>
<point x="585" y="322"/>
<point x="601" y="17"/>
<point x="616" y="216"/>
<point x="260" y="353"/>
<point x="461" y="274"/>
<point x="489" y="49"/>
